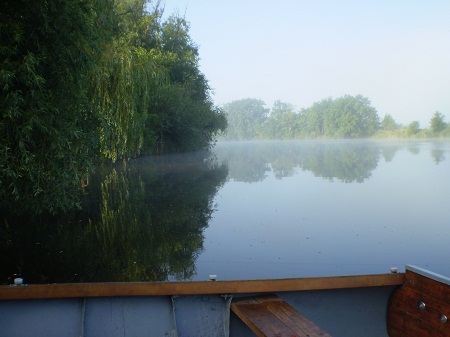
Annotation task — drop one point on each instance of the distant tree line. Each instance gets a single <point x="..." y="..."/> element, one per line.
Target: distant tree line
<point x="343" y="117"/>
<point x="84" y="81"/>
<point x="438" y="127"/>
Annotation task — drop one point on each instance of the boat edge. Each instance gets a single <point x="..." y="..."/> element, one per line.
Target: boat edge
<point x="432" y="275"/>
<point x="86" y="290"/>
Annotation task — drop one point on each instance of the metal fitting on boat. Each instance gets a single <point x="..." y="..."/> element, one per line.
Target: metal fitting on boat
<point x="18" y="282"/>
<point x="444" y="319"/>
<point x="422" y="305"/>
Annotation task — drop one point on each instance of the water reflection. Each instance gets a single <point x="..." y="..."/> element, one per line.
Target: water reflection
<point x="388" y="152"/>
<point x="146" y="221"/>
<point x="346" y="161"/>
<point x="330" y="208"/>
<point x="143" y="221"/>
<point x="438" y="155"/>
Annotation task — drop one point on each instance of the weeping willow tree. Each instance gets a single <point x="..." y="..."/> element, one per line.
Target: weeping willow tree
<point x="83" y="80"/>
<point x="126" y="80"/>
<point x="122" y="89"/>
<point x="48" y="131"/>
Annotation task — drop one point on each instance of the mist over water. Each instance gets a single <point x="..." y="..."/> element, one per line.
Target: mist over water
<point x="246" y="210"/>
<point x="317" y="208"/>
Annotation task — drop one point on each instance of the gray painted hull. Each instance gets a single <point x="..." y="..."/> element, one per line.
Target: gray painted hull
<point x="341" y="312"/>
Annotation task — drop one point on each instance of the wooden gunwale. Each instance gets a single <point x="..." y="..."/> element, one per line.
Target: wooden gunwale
<point x="83" y="290"/>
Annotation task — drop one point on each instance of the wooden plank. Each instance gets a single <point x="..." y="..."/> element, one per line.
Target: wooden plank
<point x="271" y="316"/>
<point x="260" y="320"/>
<point x="291" y="317"/>
<point x="72" y="290"/>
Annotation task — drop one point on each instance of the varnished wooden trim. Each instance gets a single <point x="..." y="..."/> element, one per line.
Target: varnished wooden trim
<point x="77" y="290"/>
<point x="429" y="274"/>
<point x="406" y="318"/>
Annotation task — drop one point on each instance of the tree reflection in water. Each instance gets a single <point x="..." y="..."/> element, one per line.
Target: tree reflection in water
<point x="142" y="221"/>
<point x="345" y="161"/>
<point x="145" y="221"/>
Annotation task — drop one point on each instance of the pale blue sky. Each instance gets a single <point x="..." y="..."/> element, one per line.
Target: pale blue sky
<point x="396" y="53"/>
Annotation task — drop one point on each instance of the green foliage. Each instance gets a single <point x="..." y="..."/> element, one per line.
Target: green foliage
<point x="351" y="117"/>
<point x="182" y="116"/>
<point x="344" y="117"/>
<point x="437" y="122"/>
<point x="122" y="90"/>
<point x="388" y="123"/>
<point x="180" y="122"/>
<point x="245" y="118"/>
<point x="83" y="80"/>
<point x="47" y="127"/>
<point x="282" y="122"/>
<point x="413" y="128"/>
<point x="313" y="117"/>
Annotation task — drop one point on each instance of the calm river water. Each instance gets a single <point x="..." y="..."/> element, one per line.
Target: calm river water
<point x="248" y="210"/>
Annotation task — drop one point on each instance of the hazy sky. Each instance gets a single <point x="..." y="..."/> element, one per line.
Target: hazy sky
<point x="396" y="52"/>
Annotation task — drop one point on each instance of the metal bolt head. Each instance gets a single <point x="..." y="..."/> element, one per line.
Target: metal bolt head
<point x="444" y="319"/>
<point x="422" y="305"/>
